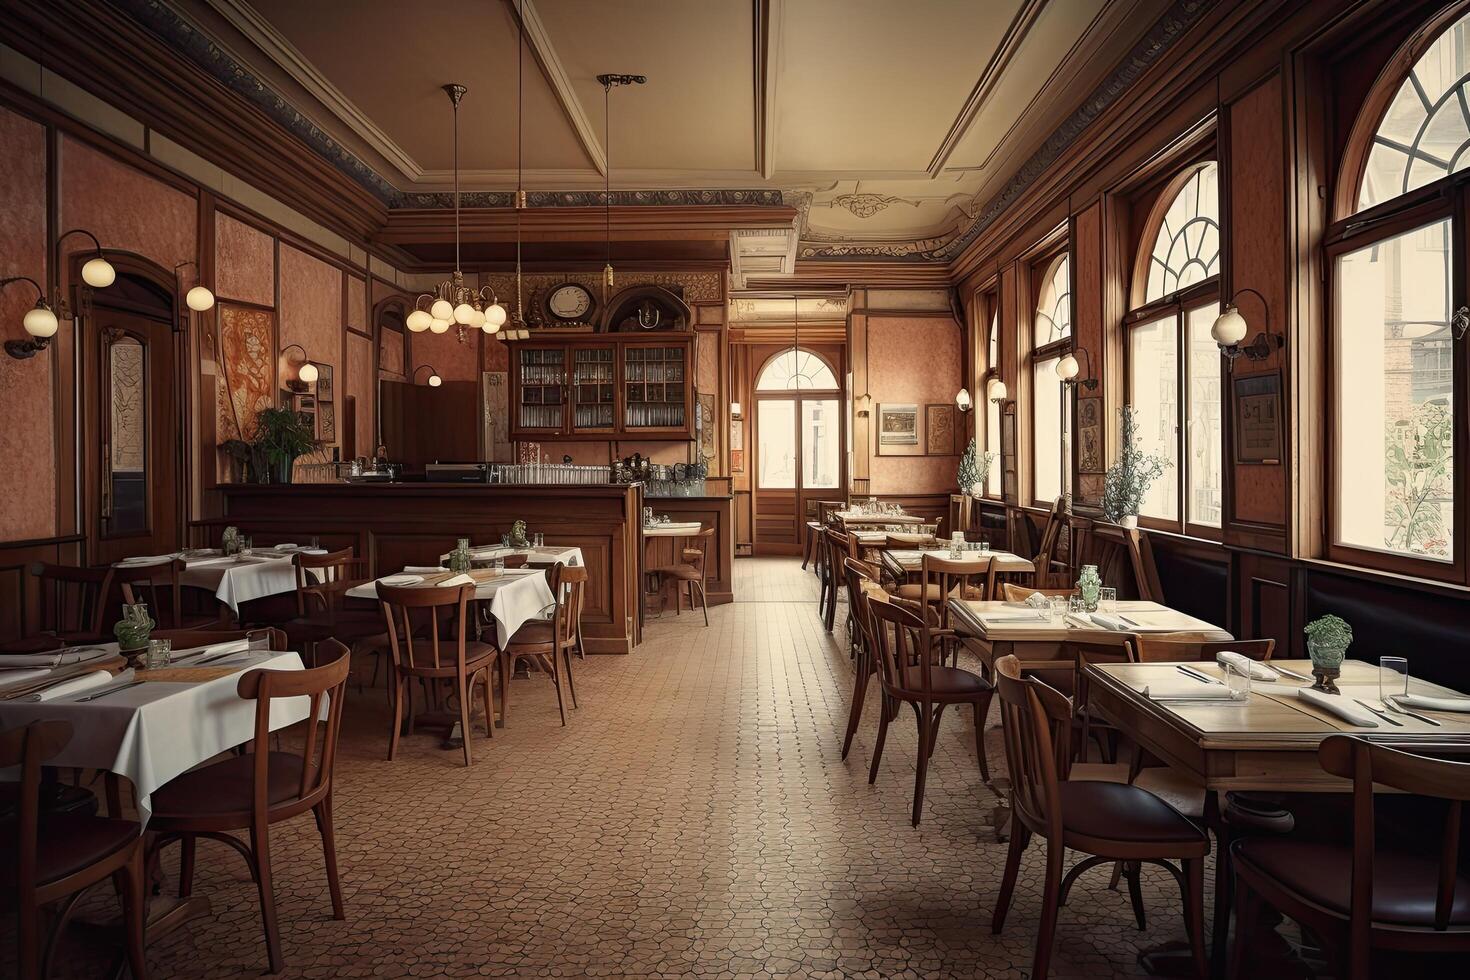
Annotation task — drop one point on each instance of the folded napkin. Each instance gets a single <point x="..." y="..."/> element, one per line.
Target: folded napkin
<point x="1209" y="692"/>
<point x="1097" y="621"/>
<point x="1037" y="601"/>
<point x="1244" y="664"/>
<point x="1337" y="704"/>
<point x="10" y="677"/>
<point x="181" y="657"/>
<point x="286" y="546"/>
<point x="147" y="559"/>
<point x="454" y="580"/>
<point x="1008" y="618"/>
<point x="423" y="569"/>
<point x="76" y="685"/>
<point x="61" y="658"/>
<point x="1427" y="703"/>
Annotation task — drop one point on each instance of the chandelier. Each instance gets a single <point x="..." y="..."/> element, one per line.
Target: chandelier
<point x="452" y="302"/>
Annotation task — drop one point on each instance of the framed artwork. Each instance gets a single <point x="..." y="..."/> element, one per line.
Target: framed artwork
<point x="737" y="461"/>
<point x="324" y="385"/>
<point x="705" y="424"/>
<point x="1258" y="418"/>
<point x="1090" y="435"/>
<point x="939" y="430"/>
<point x="898" y="426"/>
<point x="326" y="422"/>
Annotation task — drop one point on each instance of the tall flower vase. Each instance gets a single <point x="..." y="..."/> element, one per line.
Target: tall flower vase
<point x="1128" y="522"/>
<point x="1326" y="664"/>
<point x="1089" y="586"/>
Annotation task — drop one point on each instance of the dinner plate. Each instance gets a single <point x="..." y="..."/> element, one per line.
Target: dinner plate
<point x="400" y="580"/>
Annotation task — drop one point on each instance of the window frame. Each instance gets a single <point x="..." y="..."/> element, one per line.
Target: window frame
<point x="1041" y="271"/>
<point x="987" y="303"/>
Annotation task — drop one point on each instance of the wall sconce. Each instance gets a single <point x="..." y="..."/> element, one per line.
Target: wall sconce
<point x="1068" y="369"/>
<point x="199" y="299"/>
<point x="43" y="319"/>
<point x="305" y="374"/>
<point x="434" y="379"/>
<point x="863" y="405"/>
<point x="962" y="400"/>
<point x="735" y="412"/>
<point x="1230" y="329"/>
<point x="996" y="392"/>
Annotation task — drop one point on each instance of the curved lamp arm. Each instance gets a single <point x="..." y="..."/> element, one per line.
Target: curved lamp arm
<point x="434" y="379"/>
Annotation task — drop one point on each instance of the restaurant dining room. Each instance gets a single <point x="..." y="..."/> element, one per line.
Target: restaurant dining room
<point x="737" y="386"/>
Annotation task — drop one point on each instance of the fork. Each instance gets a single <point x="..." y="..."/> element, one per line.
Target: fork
<point x="1380" y="713"/>
<point x="1390" y="704"/>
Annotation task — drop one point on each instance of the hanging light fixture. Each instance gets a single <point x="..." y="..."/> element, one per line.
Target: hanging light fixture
<point x="453" y="303"/>
<point x="517" y="330"/>
<point x="608" y="81"/>
<point x="42" y="320"/>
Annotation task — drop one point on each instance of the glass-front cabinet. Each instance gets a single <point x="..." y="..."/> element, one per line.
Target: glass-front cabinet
<point x="608" y="387"/>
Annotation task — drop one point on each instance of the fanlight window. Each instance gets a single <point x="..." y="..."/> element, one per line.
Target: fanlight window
<point x="796" y="370"/>
<point x="1187" y="249"/>
<point x="1054" y="304"/>
<point x="1425" y="132"/>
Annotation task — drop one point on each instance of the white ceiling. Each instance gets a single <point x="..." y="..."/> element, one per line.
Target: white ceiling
<point x="888" y="121"/>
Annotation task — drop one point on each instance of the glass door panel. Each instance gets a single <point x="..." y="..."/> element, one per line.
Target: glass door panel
<point x="820" y="444"/>
<point x="776" y="425"/>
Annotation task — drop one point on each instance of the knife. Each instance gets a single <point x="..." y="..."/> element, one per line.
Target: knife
<point x="1381" y="713"/>
<point x="1284" y="672"/>
<point x="105" y="693"/>
<point x="1197" y="675"/>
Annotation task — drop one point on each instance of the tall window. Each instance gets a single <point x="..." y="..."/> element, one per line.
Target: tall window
<point x="1173" y="364"/>
<point x="799" y="433"/>
<point x="1393" y="475"/>
<point x="989" y="308"/>
<point x="1051" y="337"/>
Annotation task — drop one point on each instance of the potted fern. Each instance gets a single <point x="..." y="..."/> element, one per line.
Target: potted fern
<point x="282" y="434"/>
<point x="1130" y="477"/>
<point x="973" y="471"/>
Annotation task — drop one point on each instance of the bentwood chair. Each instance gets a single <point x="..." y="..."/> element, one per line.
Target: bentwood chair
<point x="157" y="585"/>
<point x="689" y="570"/>
<point x="861" y="590"/>
<point x="550" y="642"/>
<point x="1363" y="898"/>
<point x="1111" y="821"/>
<point x="908" y="655"/>
<point x="1011" y="592"/>
<point x="466" y="663"/>
<point x="251" y="792"/>
<point x="73" y="602"/>
<point x="322" y="582"/>
<point x="836" y="545"/>
<point x="60" y="857"/>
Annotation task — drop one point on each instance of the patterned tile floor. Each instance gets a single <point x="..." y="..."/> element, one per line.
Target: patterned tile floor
<point x="693" y="819"/>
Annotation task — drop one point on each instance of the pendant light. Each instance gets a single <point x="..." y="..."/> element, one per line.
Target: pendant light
<point x="608" y="82"/>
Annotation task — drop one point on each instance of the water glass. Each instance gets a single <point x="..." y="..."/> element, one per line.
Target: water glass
<point x="1393" y="677"/>
<point x="1057" y="607"/>
<point x="247" y="547"/>
<point x="258" y="641"/>
<point x="316" y="543"/>
<point x="1075" y="604"/>
<point x="540" y="540"/>
<point x="984" y="547"/>
<point x="1238" y="680"/>
<point x="1108" y="599"/>
<point x="160" y="652"/>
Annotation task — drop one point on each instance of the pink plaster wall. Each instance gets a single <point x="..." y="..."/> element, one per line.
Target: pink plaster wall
<point x="454" y="361"/>
<point x="311" y="308"/>
<point x="707" y="362"/>
<point x="26" y="393"/>
<point x="359" y="384"/>
<point x="390" y="353"/>
<point x="245" y="262"/>
<point x="125" y="208"/>
<point x="912" y="359"/>
<point x="357" y="303"/>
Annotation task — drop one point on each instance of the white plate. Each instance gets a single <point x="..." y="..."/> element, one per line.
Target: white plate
<point x="288" y="547"/>
<point x="147" y="560"/>
<point x="401" y="580"/>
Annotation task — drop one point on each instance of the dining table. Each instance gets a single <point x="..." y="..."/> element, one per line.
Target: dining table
<point x="855" y="518"/>
<point x="513" y="596"/>
<point x="542" y="557"/>
<point x="904" y="562"/>
<point x="234" y="579"/>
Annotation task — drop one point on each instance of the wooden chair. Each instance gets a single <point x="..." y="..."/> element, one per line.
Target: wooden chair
<point x="546" y="640"/>
<point x="157" y="585"/>
<point x="810" y="547"/>
<point x="690" y="570"/>
<point x="1011" y="592"/>
<point x="61" y="857"/>
<point x="74" y="602"/>
<point x="1123" y="557"/>
<point x="907" y="670"/>
<point x="837" y="553"/>
<point x="263" y="787"/>
<point x="1363" y="897"/>
<point x="1111" y="821"/>
<point x="467" y="663"/>
<point x="1047" y="561"/>
<point x="322" y="582"/>
<point x="861" y="590"/>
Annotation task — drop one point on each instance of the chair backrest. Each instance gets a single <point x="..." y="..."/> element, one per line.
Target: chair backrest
<point x="73" y="599"/>
<point x="322" y="580"/>
<point x="1123" y="557"/>
<point x="1011" y="592"/>
<point x="1020" y="533"/>
<point x="947" y="576"/>
<point x="1036" y="722"/>
<point x="859" y="580"/>
<point x="904" y="646"/>
<point x="694" y="550"/>
<point x="399" y="606"/>
<point x="1185" y="646"/>
<point x="28" y="747"/>
<point x="568" y="591"/>
<point x="156" y="584"/>
<point x="837" y="545"/>
<point x="1366" y="763"/>
<point x="318" y="748"/>
<point x="188" y="639"/>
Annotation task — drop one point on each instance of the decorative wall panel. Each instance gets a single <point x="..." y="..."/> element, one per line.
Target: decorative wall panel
<point x="125" y="208"/>
<point x="390" y="354"/>
<point x="248" y="366"/>
<point x="895" y="374"/>
<point x="311" y="306"/>
<point x="361" y="386"/>
<point x="245" y="262"/>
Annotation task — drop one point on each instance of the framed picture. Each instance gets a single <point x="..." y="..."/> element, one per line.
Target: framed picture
<point x="1258" y="418"/>
<point x="737" y="461"/>
<point x="326" y="422"/>
<point x="939" y="430"/>
<point x="324" y="386"/>
<point x="898" y="430"/>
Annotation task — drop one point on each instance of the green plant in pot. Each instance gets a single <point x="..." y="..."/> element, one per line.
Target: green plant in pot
<point x="1328" y="638"/>
<point x="133" y="632"/>
<point x="1128" y="479"/>
<point x="518" y="535"/>
<point x="973" y="470"/>
<point x="282" y="434"/>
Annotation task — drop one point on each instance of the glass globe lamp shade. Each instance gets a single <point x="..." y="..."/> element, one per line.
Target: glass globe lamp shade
<point x="435" y="381"/>
<point x="40" y="322"/>
<point x="495" y="313"/>
<point x="491" y="328"/>
<point x="1230" y="327"/>
<point x="418" y="321"/>
<point x="1067" y="368"/>
<point x="997" y="391"/>
<point x="464" y="313"/>
<point x="477" y="318"/>
<point x="962" y="400"/>
<point x="438" y="325"/>
<point x="98" y="273"/>
<point x="308" y="373"/>
<point x="199" y="299"/>
<point x="442" y="310"/>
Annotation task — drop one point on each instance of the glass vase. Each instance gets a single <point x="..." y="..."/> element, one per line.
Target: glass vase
<point x="1089" y="586"/>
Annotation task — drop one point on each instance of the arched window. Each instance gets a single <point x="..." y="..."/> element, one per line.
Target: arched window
<point x="796" y="370"/>
<point x="1172" y="363"/>
<point x="1051" y="338"/>
<point x="1053" y="320"/>
<point x="1393" y="477"/>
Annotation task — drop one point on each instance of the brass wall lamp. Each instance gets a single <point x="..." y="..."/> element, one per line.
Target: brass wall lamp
<point x="1230" y="328"/>
<point x="1068" y="369"/>
<point x="434" y="379"/>
<point x="42" y="320"/>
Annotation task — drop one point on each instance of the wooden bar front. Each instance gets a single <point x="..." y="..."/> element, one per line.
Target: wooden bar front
<point x="716" y="511"/>
<point x="399" y="524"/>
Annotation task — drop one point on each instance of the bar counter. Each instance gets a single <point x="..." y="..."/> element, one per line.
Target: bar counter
<point x="710" y="510"/>
<point x="392" y="525"/>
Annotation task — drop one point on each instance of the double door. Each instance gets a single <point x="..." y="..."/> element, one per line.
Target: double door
<point x="799" y="436"/>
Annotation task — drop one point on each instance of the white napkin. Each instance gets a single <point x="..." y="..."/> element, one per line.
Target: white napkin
<point x="1037" y="601"/>
<point x="286" y="546"/>
<point x="179" y="657"/>
<point x="1427" y="703"/>
<point x="421" y="569"/>
<point x="76" y="685"/>
<point x="12" y="677"/>
<point x="147" y="559"/>
<point x="454" y="580"/>
<point x="1207" y="692"/>
<point x="1338" y="705"/>
<point x="1096" y="621"/>
<point x="1245" y="664"/>
<point x="61" y="658"/>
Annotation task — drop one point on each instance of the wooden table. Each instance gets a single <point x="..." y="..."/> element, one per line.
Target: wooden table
<point x="851" y="517"/>
<point x="903" y="562"/>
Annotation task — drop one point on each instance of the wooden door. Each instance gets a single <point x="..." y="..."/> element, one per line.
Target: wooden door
<point x="132" y="447"/>
<point x="798" y="435"/>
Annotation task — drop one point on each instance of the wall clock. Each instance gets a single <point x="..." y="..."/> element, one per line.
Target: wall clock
<point x="569" y="303"/>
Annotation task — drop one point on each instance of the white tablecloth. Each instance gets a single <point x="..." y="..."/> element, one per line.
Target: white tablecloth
<point x="155" y="731"/>
<point x="548" y="555"/>
<point x="515" y="598"/>
<point x="236" y="580"/>
<point x="688" y="529"/>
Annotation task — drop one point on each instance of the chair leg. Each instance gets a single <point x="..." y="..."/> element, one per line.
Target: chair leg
<point x="885" y="715"/>
<point x="982" y="708"/>
<point x="489" y="698"/>
<point x="1194" y="913"/>
<point x="29" y="952"/>
<point x="465" y="689"/>
<point x="566" y="653"/>
<point x="1020" y="838"/>
<point x="704" y="603"/>
<point x="1247" y="921"/>
<point x="323" y="811"/>
<point x="556" y="680"/>
<point x="260" y="847"/>
<point x="1046" y="932"/>
<point x="921" y="770"/>
<point x="1131" y="871"/>
<point x="186" y="865"/>
<point x="135" y="912"/>
<point x="506" y="669"/>
<point x="855" y="710"/>
<point x="934" y="728"/>
<point x="395" y="681"/>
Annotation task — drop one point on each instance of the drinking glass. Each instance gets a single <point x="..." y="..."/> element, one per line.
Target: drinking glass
<point x="1238" y="680"/>
<point x="505" y="540"/>
<point x="1108" y="599"/>
<point x="1075" y="604"/>
<point x="540" y="540"/>
<point x="463" y="544"/>
<point x="158" y="655"/>
<point x="1393" y="677"/>
<point x="247" y="547"/>
<point x="1057" y="607"/>
<point x="984" y="547"/>
<point x="258" y="641"/>
<point x="316" y="543"/>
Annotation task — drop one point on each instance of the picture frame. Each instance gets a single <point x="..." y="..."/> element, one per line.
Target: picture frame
<point x="898" y="429"/>
<point x="1256" y="411"/>
<point x="939" y="430"/>
<point x="326" y="422"/>
<point x="324" y="388"/>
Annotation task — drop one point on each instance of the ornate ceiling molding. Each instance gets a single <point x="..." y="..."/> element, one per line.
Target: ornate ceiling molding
<point x="867" y="205"/>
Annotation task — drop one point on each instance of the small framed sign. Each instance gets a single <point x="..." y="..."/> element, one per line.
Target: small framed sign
<point x="1258" y="418"/>
<point x="898" y="430"/>
<point x="939" y="430"/>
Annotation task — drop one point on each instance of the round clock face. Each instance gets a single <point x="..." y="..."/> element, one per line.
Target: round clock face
<point x="569" y="302"/>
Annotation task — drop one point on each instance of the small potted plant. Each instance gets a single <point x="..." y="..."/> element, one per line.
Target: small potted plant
<point x="1130" y="477"/>
<point x="518" y="535"/>
<point x="973" y="470"/>
<point x="282" y="434"/>
<point x="1328" y="638"/>
<point x="133" y="632"/>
